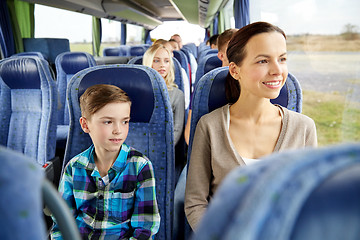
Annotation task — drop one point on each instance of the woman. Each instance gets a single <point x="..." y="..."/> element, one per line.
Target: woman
<point x="159" y="58"/>
<point x="250" y="126"/>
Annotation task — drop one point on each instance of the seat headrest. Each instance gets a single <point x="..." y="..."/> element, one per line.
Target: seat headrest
<point x="137" y="51"/>
<point x="74" y="62"/>
<point x="134" y="81"/>
<point x="212" y="62"/>
<point x="20" y="73"/>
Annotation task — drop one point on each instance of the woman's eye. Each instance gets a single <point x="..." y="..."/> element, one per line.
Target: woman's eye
<point x="156" y="61"/>
<point x="107" y="122"/>
<point x="283" y="59"/>
<point x="263" y="61"/>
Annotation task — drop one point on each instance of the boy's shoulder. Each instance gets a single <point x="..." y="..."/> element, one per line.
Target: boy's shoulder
<point x="136" y="156"/>
<point x="82" y="159"/>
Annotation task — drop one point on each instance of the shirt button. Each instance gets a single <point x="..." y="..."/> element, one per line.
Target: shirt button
<point x="101" y="197"/>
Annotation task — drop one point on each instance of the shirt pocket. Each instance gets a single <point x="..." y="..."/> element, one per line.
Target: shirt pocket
<point x="122" y="205"/>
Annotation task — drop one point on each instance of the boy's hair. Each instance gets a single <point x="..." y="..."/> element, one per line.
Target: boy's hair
<point x="224" y="38"/>
<point x="97" y="96"/>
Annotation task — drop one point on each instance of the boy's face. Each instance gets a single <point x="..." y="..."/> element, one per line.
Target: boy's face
<point x="108" y="127"/>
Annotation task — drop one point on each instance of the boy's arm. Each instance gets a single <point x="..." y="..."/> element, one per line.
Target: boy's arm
<point x="66" y="192"/>
<point x="145" y="219"/>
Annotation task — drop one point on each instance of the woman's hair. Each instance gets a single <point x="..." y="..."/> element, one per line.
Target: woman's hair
<point x="148" y="61"/>
<point x="97" y="96"/>
<point x="236" y="52"/>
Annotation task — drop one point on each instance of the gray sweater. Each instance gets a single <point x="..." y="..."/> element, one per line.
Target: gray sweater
<point x="213" y="154"/>
<point x="177" y="100"/>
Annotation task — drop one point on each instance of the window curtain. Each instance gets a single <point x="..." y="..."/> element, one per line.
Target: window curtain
<point x="215" y="29"/>
<point x="6" y="33"/>
<point x="123" y="34"/>
<point x="241" y="13"/>
<point x="147" y="37"/>
<point x="22" y="20"/>
<point x="96" y="35"/>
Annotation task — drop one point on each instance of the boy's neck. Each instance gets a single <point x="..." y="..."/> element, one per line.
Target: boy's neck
<point x="104" y="161"/>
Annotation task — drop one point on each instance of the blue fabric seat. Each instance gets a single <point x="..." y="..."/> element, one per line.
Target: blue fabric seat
<point x="111" y="51"/>
<point x="24" y="191"/>
<point x="181" y="57"/>
<point x="206" y="64"/>
<point x="28" y="104"/>
<point x="206" y="52"/>
<point x="300" y="194"/>
<point x="37" y="54"/>
<point x="67" y="65"/>
<point x="151" y="125"/>
<point x="137" y="50"/>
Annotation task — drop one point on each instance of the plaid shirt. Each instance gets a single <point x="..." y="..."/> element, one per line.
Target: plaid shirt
<point x="120" y="205"/>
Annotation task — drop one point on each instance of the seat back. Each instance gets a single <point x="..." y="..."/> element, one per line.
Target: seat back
<point x="137" y="50"/>
<point x="206" y="64"/>
<point x="111" y="51"/>
<point x="205" y="52"/>
<point x="22" y="211"/>
<point x="210" y="94"/>
<point x="178" y="78"/>
<point x="181" y="57"/>
<point x="28" y="103"/>
<point x="36" y="54"/>
<point x="151" y="124"/>
<point x="124" y="50"/>
<point x="67" y="65"/>
<point x="298" y="194"/>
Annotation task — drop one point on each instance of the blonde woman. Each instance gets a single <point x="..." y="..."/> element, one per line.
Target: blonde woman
<point x="159" y="58"/>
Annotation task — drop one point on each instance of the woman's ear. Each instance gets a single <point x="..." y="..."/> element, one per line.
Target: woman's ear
<point x="234" y="70"/>
<point x="84" y="125"/>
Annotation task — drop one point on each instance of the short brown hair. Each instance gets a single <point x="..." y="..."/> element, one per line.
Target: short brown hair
<point x="225" y="37"/>
<point x="97" y="96"/>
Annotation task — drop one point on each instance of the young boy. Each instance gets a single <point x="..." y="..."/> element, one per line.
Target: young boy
<point x="110" y="187"/>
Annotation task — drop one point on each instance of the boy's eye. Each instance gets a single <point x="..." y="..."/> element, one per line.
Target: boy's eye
<point x="263" y="61"/>
<point x="125" y="122"/>
<point x="283" y="59"/>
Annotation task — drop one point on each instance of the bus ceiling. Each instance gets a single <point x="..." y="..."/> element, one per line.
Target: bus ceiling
<point x="146" y="13"/>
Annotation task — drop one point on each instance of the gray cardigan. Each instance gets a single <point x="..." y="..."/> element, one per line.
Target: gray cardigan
<point x="213" y="154"/>
<point x="177" y="100"/>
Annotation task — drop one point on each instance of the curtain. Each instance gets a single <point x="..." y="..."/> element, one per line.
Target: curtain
<point x="96" y="35"/>
<point x="6" y="34"/>
<point x="241" y="13"/>
<point x="123" y="34"/>
<point x="215" y="29"/>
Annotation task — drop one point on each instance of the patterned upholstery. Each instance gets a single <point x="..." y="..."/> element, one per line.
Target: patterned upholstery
<point x="28" y="103"/>
<point x="181" y="57"/>
<point x="206" y="64"/>
<point x="67" y="64"/>
<point x="151" y="125"/>
<point x="21" y="204"/>
<point x="289" y="195"/>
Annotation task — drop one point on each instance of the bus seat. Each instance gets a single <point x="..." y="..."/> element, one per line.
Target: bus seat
<point x="37" y="54"/>
<point x="49" y="47"/>
<point x="205" y="52"/>
<point x="151" y="125"/>
<point x="24" y="190"/>
<point x="206" y="64"/>
<point x="124" y="50"/>
<point x="67" y="64"/>
<point x="192" y="62"/>
<point x="111" y="51"/>
<point x="28" y="104"/>
<point x="181" y="57"/>
<point x="137" y="50"/>
<point x="298" y="194"/>
<point x="136" y="60"/>
<point x="192" y="47"/>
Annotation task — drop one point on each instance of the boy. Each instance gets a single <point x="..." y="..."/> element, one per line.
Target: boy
<point x="110" y="187"/>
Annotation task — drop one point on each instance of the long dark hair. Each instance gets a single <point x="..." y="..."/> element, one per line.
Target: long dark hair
<point x="236" y="52"/>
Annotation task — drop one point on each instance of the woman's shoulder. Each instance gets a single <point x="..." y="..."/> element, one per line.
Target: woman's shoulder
<point x="215" y="115"/>
<point x="296" y="118"/>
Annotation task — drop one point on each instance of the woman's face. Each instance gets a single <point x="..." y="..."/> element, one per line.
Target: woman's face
<point x="161" y="62"/>
<point x="263" y="71"/>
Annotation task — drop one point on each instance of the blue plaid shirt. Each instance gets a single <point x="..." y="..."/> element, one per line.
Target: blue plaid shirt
<point x="120" y="205"/>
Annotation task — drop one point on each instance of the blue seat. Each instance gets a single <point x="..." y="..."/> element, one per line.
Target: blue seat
<point x="136" y="60"/>
<point x="22" y="211"/>
<point x="300" y="194"/>
<point x="206" y="52"/>
<point x="181" y="57"/>
<point x="124" y="50"/>
<point x="206" y="64"/>
<point x="67" y="65"/>
<point x="151" y="125"/>
<point x="28" y="104"/>
<point x="111" y="51"/>
<point x="137" y="50"/>
<point x="36" y="54"/>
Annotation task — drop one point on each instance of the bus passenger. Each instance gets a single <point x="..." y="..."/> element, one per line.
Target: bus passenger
<point x="174" y="44"/>
<point x="159" y="58"/>
<point x="178" y="39"/>
<point x="108" y="185"/>
<point x="213" y="41"/>
<point x="250" y="126"/>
